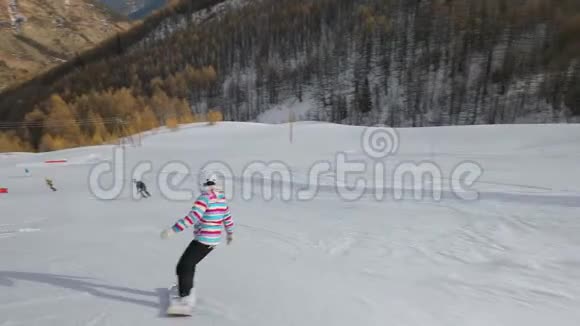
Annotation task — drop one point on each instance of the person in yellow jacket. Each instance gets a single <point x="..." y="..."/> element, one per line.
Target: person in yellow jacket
<point x="50" y="184"/>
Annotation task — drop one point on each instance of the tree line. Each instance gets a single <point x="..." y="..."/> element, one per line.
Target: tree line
<point x="393" y="62"/>
<point x="102" y="117"/>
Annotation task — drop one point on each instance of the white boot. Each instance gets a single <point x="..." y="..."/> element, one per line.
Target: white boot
<point x="191" y="299"/>
<point x="181" y="305"/>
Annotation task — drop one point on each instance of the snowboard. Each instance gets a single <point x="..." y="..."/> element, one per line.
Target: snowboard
<point x="176" y="308"/>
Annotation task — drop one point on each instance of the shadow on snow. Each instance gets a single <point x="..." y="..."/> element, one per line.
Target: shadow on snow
<point x="87" y="285"/>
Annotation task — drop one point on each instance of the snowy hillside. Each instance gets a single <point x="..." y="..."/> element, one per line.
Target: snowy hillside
<point x="316" y="257"/>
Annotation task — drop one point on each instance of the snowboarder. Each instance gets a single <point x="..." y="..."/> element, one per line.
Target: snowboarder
<point x="50" y="184"/>
<point x="142" y="188"/>
<point x="209" y="212"/>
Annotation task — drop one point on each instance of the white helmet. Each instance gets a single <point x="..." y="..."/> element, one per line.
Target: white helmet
<point x="207" y="179"/>
<point x="211" y="180"/>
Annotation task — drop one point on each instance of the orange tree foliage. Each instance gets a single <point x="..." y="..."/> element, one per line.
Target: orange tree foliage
<point x="98" y="117"/>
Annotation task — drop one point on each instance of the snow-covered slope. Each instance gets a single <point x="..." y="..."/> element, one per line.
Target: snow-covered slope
<point x="510" y="257"/>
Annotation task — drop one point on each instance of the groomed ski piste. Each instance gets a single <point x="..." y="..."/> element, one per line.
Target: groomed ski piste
<point x="508" y="256"/>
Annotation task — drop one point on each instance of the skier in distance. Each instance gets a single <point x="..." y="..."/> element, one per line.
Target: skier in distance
<point x="142" y="188"/>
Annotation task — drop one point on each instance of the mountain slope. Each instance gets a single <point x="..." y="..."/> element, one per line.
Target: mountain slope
<point x="400" y="63"/>
<point x="36" y="35"/>
<point x="510" y="257"/>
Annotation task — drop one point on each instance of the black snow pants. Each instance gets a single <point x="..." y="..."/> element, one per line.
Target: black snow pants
<point x="195" y="252"/>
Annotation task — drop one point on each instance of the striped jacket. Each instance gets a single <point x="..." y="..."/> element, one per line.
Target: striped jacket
<point x="209" y="212"/>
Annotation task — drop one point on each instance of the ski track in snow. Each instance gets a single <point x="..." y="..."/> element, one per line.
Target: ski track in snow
<point x="11" y="233"/>
<point x="8" y="230"/>
<point x="514" y="251"/>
